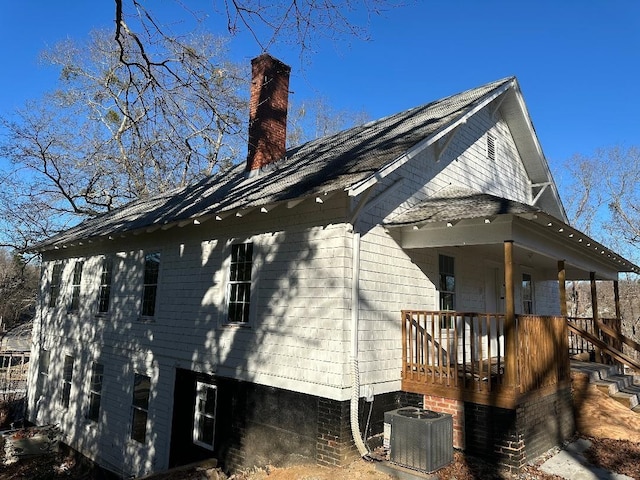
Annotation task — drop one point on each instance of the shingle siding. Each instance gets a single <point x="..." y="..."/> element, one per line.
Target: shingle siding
<point x="298" y="337"/>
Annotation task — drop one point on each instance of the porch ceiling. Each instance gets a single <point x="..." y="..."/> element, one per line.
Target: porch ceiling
<point x="540" y="241"/>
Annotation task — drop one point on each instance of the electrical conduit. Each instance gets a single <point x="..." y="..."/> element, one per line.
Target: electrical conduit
<point x="355" y="373"/>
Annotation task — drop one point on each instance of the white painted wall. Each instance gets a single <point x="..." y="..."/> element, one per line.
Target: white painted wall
<point x="299" y="334"/>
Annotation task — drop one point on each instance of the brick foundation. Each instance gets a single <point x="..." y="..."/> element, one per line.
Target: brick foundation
<point x="261" y="425"/>
<point x="510" y="438"/>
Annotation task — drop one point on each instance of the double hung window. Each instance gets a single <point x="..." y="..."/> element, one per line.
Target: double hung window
<point x="150" y="286"/>
<point x="239" y="292"/>
<point x="75" y="287"/>
<point x="54" y="285"/>
<point x="104" y="292"/>
<point x="204" y="418"/>
<point x="447" y="287"/>
<point x="95" y="392"/>
<point x="140" y="407"/>
<point x="67" y="376"/>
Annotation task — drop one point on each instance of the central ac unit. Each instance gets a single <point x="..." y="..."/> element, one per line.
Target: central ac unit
<point x="419" y="439"/>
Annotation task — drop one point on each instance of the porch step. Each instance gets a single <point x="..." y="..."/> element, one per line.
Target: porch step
<point x="624" y="389"/>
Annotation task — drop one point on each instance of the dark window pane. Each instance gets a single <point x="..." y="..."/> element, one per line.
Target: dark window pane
<point x="139" y="425"/>
<point x="149" y="300"/>
<point x="103" y="302"/>
<point x="141" y="387"/>
<point x="94" y="407"/>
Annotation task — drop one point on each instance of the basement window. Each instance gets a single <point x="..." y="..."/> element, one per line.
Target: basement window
<point x="491" y="147"/>
<point x="67" y="376"/>
<point x="140" y="407"/>
<point x="75" y="287"/>
<point x="239" y="288"/>
<point x="204" y="418"/>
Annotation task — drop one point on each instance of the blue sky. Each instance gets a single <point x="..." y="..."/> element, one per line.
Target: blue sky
<point x="578" y="62"/>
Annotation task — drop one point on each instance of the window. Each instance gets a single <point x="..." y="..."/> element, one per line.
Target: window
<point x="491" y="147"/>
<point x="54" y="286"/>
<point x="447" y="283"/>
<point x="240" y="282"/>
<point x="150" y="288"/>
<point x="67" y="375"/>
<point x="43" y="371"/>
<point x="204" y="418"/>
<point x="104" y="292"/>
<point x="140" y="407"/>
<point x="527" y="294"/>
<point x="95" y="391"/>
<point x="75" y="287"/>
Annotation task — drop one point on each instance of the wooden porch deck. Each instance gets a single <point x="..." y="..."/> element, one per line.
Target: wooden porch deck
<point x="462" y="355"/>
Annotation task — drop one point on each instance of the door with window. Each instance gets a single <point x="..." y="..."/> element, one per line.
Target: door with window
<point x="195" y="425"/>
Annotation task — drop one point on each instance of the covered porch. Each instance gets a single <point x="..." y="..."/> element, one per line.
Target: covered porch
<point x="517" y="347"/>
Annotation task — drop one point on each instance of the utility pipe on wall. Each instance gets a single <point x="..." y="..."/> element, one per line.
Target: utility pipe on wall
<point x="355" y="373"/>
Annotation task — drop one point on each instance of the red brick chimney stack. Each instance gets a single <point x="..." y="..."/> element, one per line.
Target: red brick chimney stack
<point x="267" y="111"/>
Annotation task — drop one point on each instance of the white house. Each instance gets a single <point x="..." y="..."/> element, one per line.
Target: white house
<point x="256" y="315"/>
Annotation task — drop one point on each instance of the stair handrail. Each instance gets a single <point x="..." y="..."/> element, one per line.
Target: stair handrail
<point x="614" y="353"/>
<point x="618" y="336"/>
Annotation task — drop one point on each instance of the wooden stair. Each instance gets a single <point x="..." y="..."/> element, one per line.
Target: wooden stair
<point x="611" y="380"/>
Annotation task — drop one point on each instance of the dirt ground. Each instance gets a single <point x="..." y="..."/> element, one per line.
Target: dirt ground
<point x="613" y="429"/>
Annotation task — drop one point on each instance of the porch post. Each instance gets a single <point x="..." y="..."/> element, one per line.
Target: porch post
<point x="562" y="278"/>
<point x="618" y="326"/>
<point x="596" y="317"/>
<point x="511" y="353"/>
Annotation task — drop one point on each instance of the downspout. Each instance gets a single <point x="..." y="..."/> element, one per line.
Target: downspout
<point x="355" y="373"/>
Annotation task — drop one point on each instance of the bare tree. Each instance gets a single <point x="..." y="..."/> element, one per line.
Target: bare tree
<point x="297" y="22"/>
<point x="605" y="196"/>
<point x="315" y="118"/>
<point x="110" y="134"/>
<point x="18" y="286"/>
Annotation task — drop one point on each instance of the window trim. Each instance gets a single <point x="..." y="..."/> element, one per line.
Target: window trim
<point x="140" y="409"/>
<point x="202" y="387"/>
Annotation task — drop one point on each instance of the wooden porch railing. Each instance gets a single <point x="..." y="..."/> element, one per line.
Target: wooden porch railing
<point x="462" y="355"/>
<point x="602" y="337"/>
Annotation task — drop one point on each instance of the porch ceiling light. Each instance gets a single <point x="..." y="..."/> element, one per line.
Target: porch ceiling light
<point x="561" y="230"/>
<point x="549" y="224"/>
<point x="449" y="224"/>
<point x="487" y="220"/>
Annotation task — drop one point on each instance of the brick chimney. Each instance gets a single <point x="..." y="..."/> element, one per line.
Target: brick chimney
<point x="267" y="111"/>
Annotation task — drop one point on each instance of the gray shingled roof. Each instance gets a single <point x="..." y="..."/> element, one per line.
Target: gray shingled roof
<point x="335" y="162"/>
<point x="457" y="203"/>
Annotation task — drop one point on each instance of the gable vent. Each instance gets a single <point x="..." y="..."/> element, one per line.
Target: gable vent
<point x="491" y="147"/>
